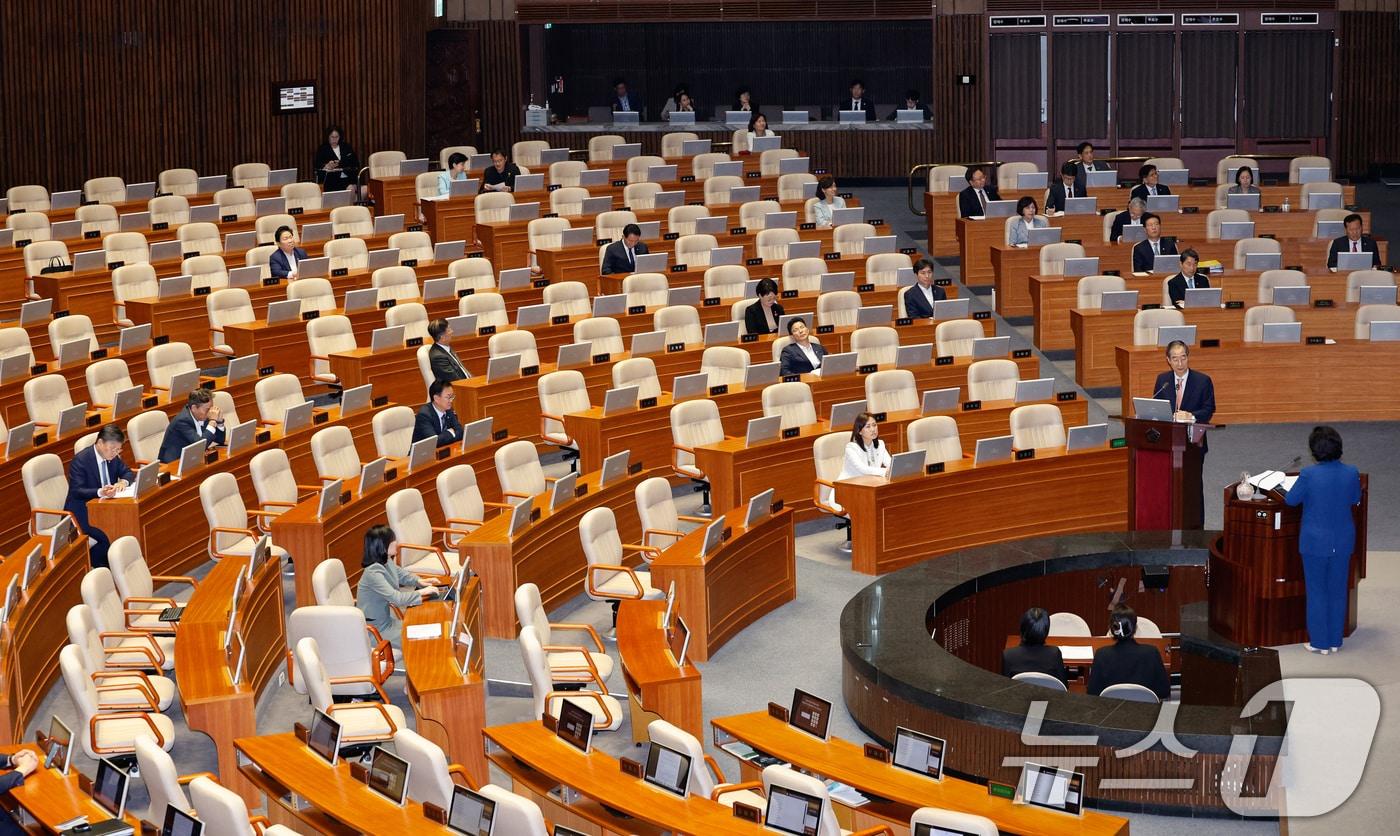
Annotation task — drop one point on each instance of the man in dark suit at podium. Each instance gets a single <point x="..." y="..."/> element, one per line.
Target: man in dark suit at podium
<point x="1192" y="395"/>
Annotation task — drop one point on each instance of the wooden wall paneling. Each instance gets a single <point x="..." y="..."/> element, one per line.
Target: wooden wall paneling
<point x="1367" y="102"/>
<point x="452" y="89"/>
<point x="959" y="124"/>
<point x="502" y="83"/>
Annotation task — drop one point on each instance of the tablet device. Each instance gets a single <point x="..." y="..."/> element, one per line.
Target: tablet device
<point x="667" y="769"/>
<point x="575" y="726"/>
<point x="192" y="458"/>
<point x="372" y="476"/>
<point x="678" y="641"/>
<point x="1263" y="261"/>
<point x="323" y="738"/>
<point x="918" y="752"/>
<point x="1163" y="202"/>
<point x="759" y="508"/>
<point x="992" y="450"/>
<point x="614" y="468"/>
<point x="471" y="813"/>
<point x="33" y="565"/>
<point x="421" y="453"/>
<point x="355" y="399"/>
<point x="1051" y="788"/>
<point x="790" y="811"/>
<point x="1087" y="437"/>
<point x="810" y="714"/>
<point x="388" y="775"/>
<point x="904" y="465"/>
<point x="1030" y="391"/>
<point x="940" y="400"/>
<point x="180" y="823"/>
<point x="562" y="491"/>
<point x="62" y="535"/>
<point x="58" y="748"/>
<point x="1152" y="409"/>
<point x="109" y="787"/>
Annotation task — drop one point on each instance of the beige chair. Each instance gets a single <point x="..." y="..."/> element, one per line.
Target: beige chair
<point x="754" y="213"/>
<point x="413" y="316"/>
<point x="681" y="219"/>
<point x="937" y="436"/>
<point x="261" y="257"/>
<point x="107" y="733"/>
<point x="354" y="221"/>
<point x="206" y="271"/>
<point x="1007" y="172"/>
<point x="276" y="488"/>
<point x="313" y="294"/>
<point x="14" y="340"/>
<point x="1270" y="279"/>
<point x="882" y="269"/>
<point x="266" y="227"/>
<point x="648" y="290"/>
<point x="46" y="487"/>
<point x="567" y="299"/>
<point x="385" y="163"/>
<point x="224" y="812"/>
<point x="568" y="201"/>
<point x="892" y="390"/>
<point x="145" y="432"/>
<point x="803" y="274"/>
<point x="412" y="246"/>
<point x="1309" y="189"/>
<point x="606" y="711"/>
<point x="657" y="511"/>
<point x="694" y="423"/>
<point x="236" y="201"/>
<point x="849" y="239"/>
<point x="1168" y="163"/>
<point x="464" y="509"/>
<point x="828" y="454"/>
<point x="104" y="190"/>
<point x="72" y="328"/>
<point x="717" y="189"/>
<point x="251" y="175"/>
<point x="488" y="308"/>
<point x="992" y="380"/>
<point x="1255" y="317"/>
<point x="408" y="518"/>
<point x="939" y="174"/>
<point x="1357" y="279"/>
<point x="347" y="253"/>
<point x="231" y="532"/>
<point x="568" y="663"/>
<point x="703" y="165"/>
<point x="518" y="469"/>
<point x="126" y="247"/>
<point x="1244" y="246"/>
<point x="739" y="309"/>
<point x="425" y="185"/>
<point x="792" y="401"/>
<point x="200" y="239"/>
<point x="28" y="226"/>
<point x="493" y="207"/>
<point x="105" y="379"/>
<point x="1037" y="426"/>
<point x="275" y="395"/>
<point x="1293" y="166"/>
<point x="514" y="342"/>
<point x="474" y="274"/>
<point x="725" y="365"/>
<point x="527" y="151"/>
<point x="28" y="199"/>
<point x="768" y="161"/>
<point x="39" y="255"/>
<point x="1366" y="314"/>
<point x="1220" y="216"/>
<point x="607" y="578"/>
<point x="694" y="250"/>
<point x="672" y="143"/>
<point x="397" y="282"/>
<point x="99" y="217"/>
<point x="326" y="336"/>
<point x="794" y="186"/>
<point x="303" y="196"/>
<point x="164" y="785"/>
<point x="136" y="585"/>
<point x="608" y="225"/>
<point x="165" y="361"/>
<point x="640" y="197"/>
<point x="600" y="148"/>
<point x="1090" y="290"/>
<point x="638" y="168"/>
<point x="467" y="151"/>
<point x="333" y="451"/>
<point x="150" y="647"/>
<point x="951" y="821"/>
<point x="681" y="324"/>
<point x="1222" y="168"/>
<point x="1325" y="215"/>
<point x="1146" y="323"/>
<point x="430" y="777"/>
<point x="838" y="308"/>
<point x="725" y="282"/>
<point x="1068" y="624"/>
<point x="360" y="722"/>
<point x="875" y="344"/>
<point x="639" y="372"/>
<point x="45" y="397"/>
<point x="560" y="393"/>
<point x="602" y="333"/>
<point x="1052" y="257"/>
<point x="227" y="306"/>
<point x="772" y="244"/>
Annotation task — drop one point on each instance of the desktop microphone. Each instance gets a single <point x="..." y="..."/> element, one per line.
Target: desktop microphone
<point x="1160" y="388"/>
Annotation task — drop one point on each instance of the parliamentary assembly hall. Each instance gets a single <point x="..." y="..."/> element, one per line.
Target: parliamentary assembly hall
<point x="601" y="418"/>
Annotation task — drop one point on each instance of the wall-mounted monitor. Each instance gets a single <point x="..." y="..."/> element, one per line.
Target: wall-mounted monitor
<point x="294" y="97"/>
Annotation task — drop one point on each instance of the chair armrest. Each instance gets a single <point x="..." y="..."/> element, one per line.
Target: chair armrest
<point x="382" y="656"/>
<point x="194" y="584"/>
<point x="645" y="550"/>
<point x="435" y="550"/>
<point x="603" y="567"/>
<point x="260" y="823"/>
<point x="459" y="520"/>
<point x="122" y="715"/>
<point x="367" y="680"/>
<point x="714" y="770"/>
<point x="214" y="538"/>
<point x="355" y="706"/>
<point x="872" y="831"/>
<point x="513" y="493"/>
<point x="150" y="649"/>
<point x="461" y="771"/>
<point x="497" y="504"/>
<point x="582" y="628"/>
<point x="587" y="665"/>
<point x="185" y="779"/>
<point x="143" y="684"/>
<point x="303" y="488"/>
<point x="689" y="518"/>
<point x="648" y="532"/>
<point x="602" y="704"/>
<point x="727" y="788"/>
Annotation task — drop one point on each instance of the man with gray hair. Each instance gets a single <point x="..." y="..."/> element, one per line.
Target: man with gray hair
<point x="1137" y="207"/>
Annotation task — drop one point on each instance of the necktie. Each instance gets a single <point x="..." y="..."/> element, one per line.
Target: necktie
<point x="1156" y="248"/>
<point x="631" y="259"/>
<point x="102" y="467"/>
<point x="1354" y="245"/>
<point x="982" y="199"/>
<point x="1178" y="393"/>
<point x="1069" y="191"/>
<point x="457" y="363"/>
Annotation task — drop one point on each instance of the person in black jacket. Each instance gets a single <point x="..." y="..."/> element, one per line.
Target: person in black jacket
<point x="973" y="200"/>
<point x="1187" y="278"/>
<point x="1084" y="164"/>
<point x="857" y="101"/>
<point x="1148" y="187"/>
<point x="1145" y="252"/>
<point x="442" y="360"/>
<point x="762" y="316"/>
<point x="920" y="296"/>
<point x="500" y="175"/>
<point x="1033" y="654"/>
<point x="1126" y="661"/>
<point x="1063" y="190"/>
<point x="284" y="260"/>
<point x="911" y="102"/>
<point x="621" y="256"/>
<point x="1353" y="241"/>
<point x="336" y="165"/>
<point x="436" y="418"/>
<point x="200" y="419"/>
<point x="1131" y="216"/>
<point x="803" y="355"/>
<point x="96" y="472"/>
<point x="21" y="764"/>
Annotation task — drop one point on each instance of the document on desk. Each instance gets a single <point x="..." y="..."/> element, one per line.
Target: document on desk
<point x="847" y="795"/>
<point x="1271" y="479"/>
<point x="1077" y="652"/>
<point x="128" y="492"/>
<point x="423" y="631"/>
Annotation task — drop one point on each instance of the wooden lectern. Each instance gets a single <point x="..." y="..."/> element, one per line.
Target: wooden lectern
<point x="1258" y="597"/>
<point x="1164" y="474"/>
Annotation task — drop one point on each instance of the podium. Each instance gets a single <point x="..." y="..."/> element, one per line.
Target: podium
<point x="1164" y="474"/>
<point x="1258" y="597"/>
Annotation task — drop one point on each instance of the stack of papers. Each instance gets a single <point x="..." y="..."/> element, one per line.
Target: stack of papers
<point x="1077" y="652"/>
<point x="423" y="631"/>
<point x="1270" y="479"/>
<point x="845" y="794"/>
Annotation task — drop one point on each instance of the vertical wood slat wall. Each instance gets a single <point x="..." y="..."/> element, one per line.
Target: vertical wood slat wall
<point x="1366" y="95"/>
<point x="959" y="44"/>
<point x="502" y="83"/>
<point x="132" y="87"/>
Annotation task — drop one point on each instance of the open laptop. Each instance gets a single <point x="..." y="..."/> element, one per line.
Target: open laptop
<point x="1163" y="202"/>
<point x="992" y="450"/>
<point x="73" y="351"/>
<point x="421" y="453"/>
<point x="173" y="287"/>
<point x="1081" y="205"/>
<point x="1087" y="437"/>
<point x="835" y="365"/>
<point x="905" y="465"/>
<point x="134" y="337"/>
<point x="296" y="418"/>
<point x="914" y="356"/>
<point x="1236" y="230"/>
<point x="848" y="215"/>
<point x="1039" y="236"/>
<point x="687" y="386"/>
<point x="940" y="400"/>
<point x="614" y="468"/>
<point x="1355" y="261"/>
<point x="1000" y="208"/>
<point x="1282" y="332"/>
<point x="1166" y="263"/>
<point x="1133" y="233"/>
<point x="648" y="342"/>
<point x="1118" y="300"/>
<point x="1167" y="333"/>
<point x="877" y="244"/>
<point x="1032" y="179"/>
<point x="191" y="458"/>
<point x="372" y="475"/>
<point x="573" y="355"/>
<point x="984" y="348"/>
<point x="500" y="368"/>
<point x="21" y="439"/>
<point x="1031" y="391"/>
<point x="283" y="310"/>
<point x="1086" y="266"/>
<point x="759" y="508"/>
<point x="386" y="339"/>
<point x="1152" y="409"/>
<point x="562" y="491"/>
<point x="762" y="429"/>
<point x="471" y="813"/>
<point x="476" y="432"/>
<point x="1260" y="262"/>
<point x="758" y="375"/>
<point x="651" y="262"/>
<point x="1247" y="202"/>
<point x="1381" y="331"/>
<point x="528" y="316"/>
<point x="71" y="419"/>
<point x="721" y="333"/>
<point x="620" y="399"/>
<point x="330" y="498"/>
<point x="1367" y="294"/>
<point x="355" y="399"/>
<point x="1203" y="297"/>
<point x="126" y="401"/>
<point x="241" y="436"/>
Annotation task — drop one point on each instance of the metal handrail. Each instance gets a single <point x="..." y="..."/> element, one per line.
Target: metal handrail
<point x="921" y="167"/>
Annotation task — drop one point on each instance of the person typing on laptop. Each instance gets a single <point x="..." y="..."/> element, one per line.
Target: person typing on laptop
<point x="1145" y="252"/>
<point x="1063" y="190"/>
<point x="1188" y="278"/>
<point x="1353" y="242"/>
<point x="385" y="584"/>
<point x="199" y="419"/>
<point x="973" y="200"/>
<point x="436" y="418"/>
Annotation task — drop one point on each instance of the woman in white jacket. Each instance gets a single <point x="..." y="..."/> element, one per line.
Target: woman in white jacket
<point x="866" y="454"/>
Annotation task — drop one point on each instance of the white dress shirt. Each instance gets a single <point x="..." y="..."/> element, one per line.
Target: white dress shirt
<point x="872" y="461"/>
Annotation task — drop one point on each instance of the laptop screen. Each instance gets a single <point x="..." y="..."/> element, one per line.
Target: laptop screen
<point x="575" y="725"/>
<point x="388" y="775"/>
<point x="324" y="736"/>
<point x="471" y="813"/>
<point x="918" y="752"/>
<point x="668" y="769"/>
<point x="180" y="823"/>
<point x="109" y="787"/>
<point x="809" y="713"/>
<point x="793" y="812"/>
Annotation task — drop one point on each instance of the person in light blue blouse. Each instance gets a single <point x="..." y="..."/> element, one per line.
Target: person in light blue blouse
<point x="1029" y="218"/>
<point x="456" y="170"/>
<point x="384" y="585"/>
<point x="1327" y="491"/>
<point x="827" y="201"/>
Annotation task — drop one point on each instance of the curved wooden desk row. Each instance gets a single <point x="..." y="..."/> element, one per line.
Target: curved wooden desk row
<point x="984" y="244"/>
<point x="206" y="659"/>
<point x="169" y="521"/>
<point x="941" y="208"/>
<point x="1053" y="297"/>
<point x="52" y="799"/>
<point x="35" y="632"/>
<point x="966" y="505"/>
<point x="446" y="680"/>
<point x="1351" y="380"/>
<point x="1098" y="334"/>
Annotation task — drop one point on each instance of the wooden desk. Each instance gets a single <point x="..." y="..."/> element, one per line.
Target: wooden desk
<point x="536" y="760"/>
<point x="52" y="799"/>
<point x="656" y="687"/>
<point x="169" y="521"/>
<point x="212" y="703"/>
<point x="844" y="761"/>
<point x="450" y="219"/>
<point x="279" y="765"/>
<point x="1097" y="643"/>
<point x="1255" y="383"/>
<point x="547" y="552"/>
<point x="36" y="632"/>
<point x="446" y="688"/>
<point x="311" y="539"/>
<point x="1097" y="333"/>
<point x="12" y="406"/>
<point x="395" y="195"/>
<point x="751" y="574"/>
<point x="1053" y="297"/>
<point x="1054" y="493"/>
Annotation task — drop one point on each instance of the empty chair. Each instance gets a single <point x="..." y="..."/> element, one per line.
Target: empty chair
<point x="425" y="185"/>
<point x="333" y="451"/>
<point x="1037" y="426"/>
<point x="261" y="258"/>
<point x="28" y="226"/>
<point x="114" y="662"/>
<point x="514" y="342"/>
<point x="646" y="289"/>
<point x="227" y="306"/>
<point x="126" y="247"/>
<point x="1357" y="279"/>
<point x="785" y="777"/>
<point x="725" y="365"/>
<point x="768" y="161"/>
<point x="352" y="220"/>
<point x="1220" y="216"/>
<point x="46" y="488"/>
<point x="681" y="219"/>
<point x="1270" y="279"/>
<point x="608" y="579"/>
<point x="397" y="282"/>
<point x="329" y="585"/>
<point x="640" y="196"/>
<point x="1130" y="691"/>
<point x="40" y="255"/>
<point x="164" y="785"/>
<point x="1041" y="680"/>
<point x="417" y="554"/>
<point x="792" y="401"/>
<point x="104" y="190"/>
<point x="992" y="380"/>
<point x="703" y="165"/>
<point x="606" y="711"/>
<point x="1166" y="162"/>
<point x="1091" y="289"/>
<point x="1309" y="189"/>
<point x="639" y="167"/>
<point x="694" y="250"/>
<point x="838" y="308"/>
<point x="139" y="648"/>
<point x="488" y="308"/>
<point x="567" y="299"/>
<point x="772" y="244"/>
<point x="849" y="239"/>
<point x="639" y="372"/>
<point x="1222" y="168"/>
<point x="694" y="423"/>
<point x="224" y="813"/>
<point x="1146" y="323"/>
<point x="412" y="246"/>
<point x="178" y="181"/>
<point x="753" y="214"/>
<point x="413" y="316"/>
<point x="475" y="274"/>
<point x="803" y="274"/>
<point x="937" y="436"/>
<point x="108" y="733"/>
<point x="463" y="507"/>
<point x="275" y="395"/>
<point x="892" y="390"/>
<point x="1365" y="315"/>
<point x="229" y="532"/>
<point x="1068" y="624"/>
<point x="1245" y="246"/>
<point x="794" y="186"/>
<point x="518" y="468"/>
<point x="200" y="239"/>
<point x="385" y="163"/>
<point x="600" y="148"/>
<point x="568" y="201"/>
<point x="314" y="294"/>
<point x="1007" y="173"/>
<point x="266" y="226"/>
<point x="1052" y="257"/>
<point x="361" y="722"/>
<point x="681" y="324"/>
<point x="527" y="151"/>
<point x="303" y="196"/>
<point x="493" y="207"/>
<point x="135" y="583"/>
<point x="1305" y="162"/>
<point x="951" y="821"/>
<point x="165" y="361"/>
<point x="393" y="431"/>
<point x="356" y="666"/>
<point x="28" y="199"/>
<point x="725" y="282"/>
<point x="569" y="661"/>
<point x="657" y="511"/>
<point x="251" y="175"/>
<point x="672" y="143"/>
<point x="883" y="268"/>
<point x="429" y="774"/>
<point x="15" y="341"/>
<point x="602" y="333"/>
<point x="347" y="253"/>
<point x="105" y="379"/>
<point x="101" y="218"/>
<point x="206" y="271"/>
<point x="145" y="432"/>
<point x="236" y="201"/>
<point x="72" y="328"/>
<point x="276" y="488"/>
<point x="561" y="393"/>
<point x="45" y="397"/>
<point x="875" y="344"/>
